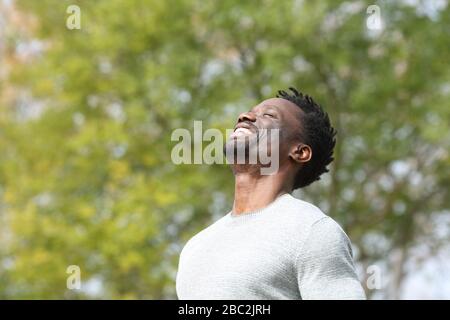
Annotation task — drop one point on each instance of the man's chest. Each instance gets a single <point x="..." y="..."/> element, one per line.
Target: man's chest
<point x="250" y="267"/>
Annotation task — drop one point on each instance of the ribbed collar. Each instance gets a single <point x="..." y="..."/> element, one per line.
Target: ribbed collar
<point x="252" y="215"/>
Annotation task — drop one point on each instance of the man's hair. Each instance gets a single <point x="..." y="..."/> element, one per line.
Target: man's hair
<point x="317" y="132"/>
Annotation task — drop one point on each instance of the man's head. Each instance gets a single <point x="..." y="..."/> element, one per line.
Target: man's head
<point x="306" y="137"/>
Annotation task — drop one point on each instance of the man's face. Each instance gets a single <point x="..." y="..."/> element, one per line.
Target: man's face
<point x="253" y="127"/>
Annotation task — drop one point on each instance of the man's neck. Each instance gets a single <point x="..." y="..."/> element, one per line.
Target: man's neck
<point x="253" y="191"/>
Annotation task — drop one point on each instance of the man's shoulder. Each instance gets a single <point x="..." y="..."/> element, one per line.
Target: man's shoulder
<point x="312" y="217"/>
<point x="301" y="211"/>
<point x="203" y="234"/>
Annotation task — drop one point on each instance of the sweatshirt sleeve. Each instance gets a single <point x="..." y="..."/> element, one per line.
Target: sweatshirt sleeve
<point x="324" y="264"/>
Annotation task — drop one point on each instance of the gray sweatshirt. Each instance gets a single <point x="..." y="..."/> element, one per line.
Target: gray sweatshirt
<point x="287" y="250"/>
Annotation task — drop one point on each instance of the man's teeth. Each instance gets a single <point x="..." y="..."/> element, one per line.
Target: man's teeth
<point x="240" y="131"/>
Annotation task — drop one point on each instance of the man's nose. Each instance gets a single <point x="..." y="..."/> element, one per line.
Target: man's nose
<point x="247" y="116"/>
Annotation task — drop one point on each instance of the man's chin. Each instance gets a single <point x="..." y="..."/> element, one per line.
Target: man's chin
<point x="233" y="147"/>
<point x="241" y="142"/>
<point x="237" y="151"/>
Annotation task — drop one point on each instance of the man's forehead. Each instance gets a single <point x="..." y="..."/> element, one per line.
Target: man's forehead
<point x="280" y="104"/>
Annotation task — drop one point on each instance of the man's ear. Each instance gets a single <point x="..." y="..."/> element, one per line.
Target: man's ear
<point x="301" y="153"/>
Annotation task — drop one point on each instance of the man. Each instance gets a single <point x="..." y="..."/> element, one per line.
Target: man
<point x="272" y="245"/>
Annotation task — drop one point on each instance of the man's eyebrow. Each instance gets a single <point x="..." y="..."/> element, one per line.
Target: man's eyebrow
<point x="271" y="106"/>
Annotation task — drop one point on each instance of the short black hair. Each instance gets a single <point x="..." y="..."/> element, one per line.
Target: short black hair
<point x="317" y="132"/>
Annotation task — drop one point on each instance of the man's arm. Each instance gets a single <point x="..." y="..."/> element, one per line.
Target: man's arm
<point x="325" y="264"/>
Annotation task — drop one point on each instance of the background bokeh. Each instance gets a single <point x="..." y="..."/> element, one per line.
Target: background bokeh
<point x="86" y="117"/>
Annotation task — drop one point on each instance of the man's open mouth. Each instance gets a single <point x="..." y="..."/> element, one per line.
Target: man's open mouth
<point x="243" y="129"/>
